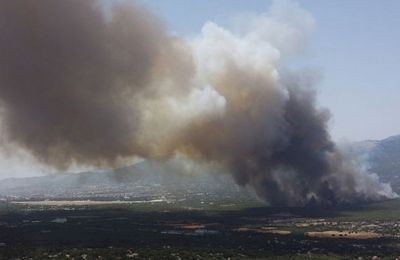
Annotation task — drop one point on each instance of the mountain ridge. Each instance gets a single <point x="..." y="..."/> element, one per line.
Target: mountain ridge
<point x="381" y="156"/>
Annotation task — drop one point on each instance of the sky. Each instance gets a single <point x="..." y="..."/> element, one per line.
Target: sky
<point x="355" y="48"/>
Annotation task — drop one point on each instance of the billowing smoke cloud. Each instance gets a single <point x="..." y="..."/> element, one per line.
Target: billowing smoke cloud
<point x="78" y="85"/>
<point x="71" y="77"/>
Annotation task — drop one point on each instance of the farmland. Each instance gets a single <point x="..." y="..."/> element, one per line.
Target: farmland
<point x="156" y="229"/>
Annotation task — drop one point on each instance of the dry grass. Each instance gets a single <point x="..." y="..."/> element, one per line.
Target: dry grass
<point x="344" y="234"/>
<point x="267" y="230"/>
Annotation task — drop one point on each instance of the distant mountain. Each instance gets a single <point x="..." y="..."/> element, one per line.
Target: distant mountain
<point x="176" y="178"/>
<point x="383" y="158"/>
<point x="173" y="179"/>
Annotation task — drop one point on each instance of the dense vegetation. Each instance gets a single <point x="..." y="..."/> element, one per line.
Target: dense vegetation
<point x="134" y="231"/>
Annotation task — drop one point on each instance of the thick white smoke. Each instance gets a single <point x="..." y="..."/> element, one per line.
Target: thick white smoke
<point x="95" y="89"/>
<point x="261" y="122"/>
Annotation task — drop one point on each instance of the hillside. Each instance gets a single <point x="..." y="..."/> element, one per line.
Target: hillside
<point x="173" y="178"/>
<point x="148" y="180"/>
<point x="383" y="158"/>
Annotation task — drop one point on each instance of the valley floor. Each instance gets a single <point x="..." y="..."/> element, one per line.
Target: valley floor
<point x="159" y="231"/>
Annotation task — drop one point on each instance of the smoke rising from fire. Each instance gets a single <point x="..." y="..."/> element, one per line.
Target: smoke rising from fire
<point x="81" y="86"/>
<point x="71" y="77"/>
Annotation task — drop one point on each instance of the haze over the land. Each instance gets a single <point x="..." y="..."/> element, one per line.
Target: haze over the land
<point x="175" y="179"/>
<point x="88" y="87"/>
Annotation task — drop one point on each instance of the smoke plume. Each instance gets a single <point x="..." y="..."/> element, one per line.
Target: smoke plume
<point x="80" y="85"/>
<point x="71" y="77"/>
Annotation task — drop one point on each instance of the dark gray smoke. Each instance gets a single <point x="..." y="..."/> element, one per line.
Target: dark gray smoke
<point x="278" y="144"/>
<point x="81" y="86"/>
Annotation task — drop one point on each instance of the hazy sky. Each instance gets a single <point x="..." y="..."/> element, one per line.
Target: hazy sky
<point x="355" y="47"/>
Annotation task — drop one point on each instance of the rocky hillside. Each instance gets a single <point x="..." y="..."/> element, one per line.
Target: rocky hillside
<point x="383" y="158"/>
